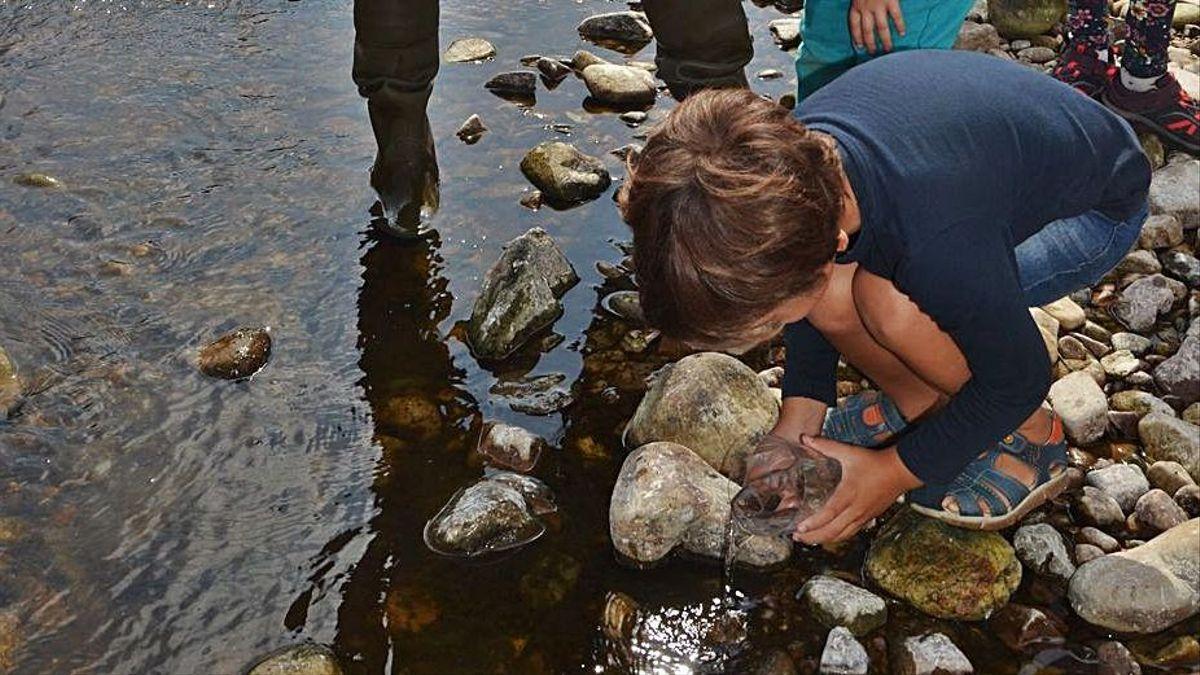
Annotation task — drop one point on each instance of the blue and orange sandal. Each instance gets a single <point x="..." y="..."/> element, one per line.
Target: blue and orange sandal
<point x="986" y="496"/>
<point x="868" y="420"/>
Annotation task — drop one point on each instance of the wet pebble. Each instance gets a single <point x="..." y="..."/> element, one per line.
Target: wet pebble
<point x="541" y="395"/>
<point x="10" y="385"/>
<point x="237" y="354"/>
<point x="834" y="602"/>
<point x="1168" y="476"/>
<point x="933" y="654"/>
<point x="625" y="305"/>
<point x="1158" y="512"/>
<point x="1042" y="550"/>
<point x="564" y="174"/>
<point x="583" y="58"/>
<point x="633" y="117"/>
<point x="769" y="74"/>
<point x="1021" y="627"/>
<point x="553" y="70"/>
<point x="510" y="447"/>
<point x="1115" y="659"/>
<point x="843" y="655"/>
<point x="629" y="152"/>
<point x="37" y="180"/>
<point x="306" y="659"/>
<point x="629" y="28"/>
<point x="486" y="517"/>
<point x="1124" y="482"/>
<point x="517" y="83"/>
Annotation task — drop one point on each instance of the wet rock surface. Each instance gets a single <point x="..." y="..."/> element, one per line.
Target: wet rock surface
<point x="565" y="175"/>
<point x="237" y="354"/>
<point x="10" y="385"/>
<point x="520" y="295"/>
<point x="1145" y="589"/>
<point x="667" y="497"/>
<point x="1081" y="404"/>
<point x="536" y="395"/>
<point x="620" y="85"/>
<point x="1124" y="482"/>
<point x="933" y="654"/>
<point x="1043" y="551"/>
<point x="710" y="403"/>
<point x="1170" y="438"/>
<point x="625" y="29"/>
<point x="834" y="603"/>
<point x="464" y="50"/>
<point x="298" y="660"/>
<point x="843" y="655"/>
<point x="487" y="517"/>
<point x="946" y="572"/>
<point x="510" y="447"/>
<point x="518" y="84"/>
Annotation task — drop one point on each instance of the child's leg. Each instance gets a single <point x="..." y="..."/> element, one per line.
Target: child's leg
<point x="1145" y="57"/>
<point x="825" y="50"/>
<point x="1086" y="24"/>
<point x="1084" y="62"/>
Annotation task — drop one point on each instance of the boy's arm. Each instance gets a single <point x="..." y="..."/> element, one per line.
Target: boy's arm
<point x="809" y="386"/>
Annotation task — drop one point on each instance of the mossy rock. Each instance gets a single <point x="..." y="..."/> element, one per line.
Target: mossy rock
<point x="1025" y="18"/>
<point x="944" y="571"/>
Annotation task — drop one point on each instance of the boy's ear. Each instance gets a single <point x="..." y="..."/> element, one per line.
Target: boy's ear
<point x="843" y="241"/>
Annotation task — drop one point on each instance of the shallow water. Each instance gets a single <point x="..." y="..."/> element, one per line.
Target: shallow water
<point x="215" y="162"/>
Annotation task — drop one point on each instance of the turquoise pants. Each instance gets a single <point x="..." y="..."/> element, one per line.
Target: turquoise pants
<point x="827" y="50"/>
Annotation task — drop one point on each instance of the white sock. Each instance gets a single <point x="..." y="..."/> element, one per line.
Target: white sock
<point x="1137" y="83"/>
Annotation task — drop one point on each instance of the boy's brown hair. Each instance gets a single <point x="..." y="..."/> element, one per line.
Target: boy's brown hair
<point x="734" y="206"/>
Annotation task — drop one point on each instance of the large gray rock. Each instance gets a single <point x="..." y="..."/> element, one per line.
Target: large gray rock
<point x="944" y="571"/>
<point x="1180" y="374"/>
<point x="1170" y="438"/>
<point x="564" y="174"/>
<point x="620" y="85"/>
<point x="1173" y="191"/>
<point x="977" y="37"/>
<point x="711" y="403"/>
<point x="1080" y="403"/>
<point x="1125" y="482"/>
<point x="1145" y="589"/>
<point x="1025" y="18"/>
<point x="10" y="385"/>
<point x="465" y="50"/>
<point x="1142" y="301"/>
<point x="932" y="654"/>
<point x="1042" y="549"/>
<point x="520" y="295"/>
<point x="625" y="28"/>
<point x="307" y="659"/>
<point x="843" y="655"/>
<point x="667" y="497"/>
<point x="834" y="602"/>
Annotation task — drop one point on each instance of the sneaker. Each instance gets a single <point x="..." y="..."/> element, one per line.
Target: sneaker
<point x="1166" y="109"/>
<point x="1080" y="66"/>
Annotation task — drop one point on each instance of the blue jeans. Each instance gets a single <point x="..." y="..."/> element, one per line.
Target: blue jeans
<point x="1074" y="253"/>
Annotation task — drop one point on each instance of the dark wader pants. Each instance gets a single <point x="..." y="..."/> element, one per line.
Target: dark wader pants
<point x="701" y="43"/>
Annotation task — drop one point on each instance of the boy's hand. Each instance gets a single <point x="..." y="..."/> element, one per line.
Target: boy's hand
<point x="871" y="482"/>
<point x="868" y="17"/>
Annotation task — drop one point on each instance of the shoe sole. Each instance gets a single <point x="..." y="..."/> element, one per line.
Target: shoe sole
<point x="1162" y="132"/>
<point x="1040" y="495"/>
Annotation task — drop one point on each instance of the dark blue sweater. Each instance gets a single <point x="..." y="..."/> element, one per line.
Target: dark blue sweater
<point x="955" y="159"/>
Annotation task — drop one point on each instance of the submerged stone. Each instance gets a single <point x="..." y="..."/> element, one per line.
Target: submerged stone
<point x="486" y="517"/>
<point x="620" y="85"/>
<point x="540" y="395"/>
<point x="626" y="305"/>
<point x="10" y="385"/>
<point x="933" y="654"/>
<point x="510" y="447"/>
<point x="834" y="602"/>
<point x="843" y="655"/>
<point x="307" y="659"/>
<point x="237" y="354"/>
<point x="37" y="180"/>
<point x="626" y="28"/>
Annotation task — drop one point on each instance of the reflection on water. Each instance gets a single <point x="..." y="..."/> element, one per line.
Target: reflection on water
<point x="218" y="167"/>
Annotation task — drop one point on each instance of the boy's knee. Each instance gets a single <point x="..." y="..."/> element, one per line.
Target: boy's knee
<point x="879" y="305"/>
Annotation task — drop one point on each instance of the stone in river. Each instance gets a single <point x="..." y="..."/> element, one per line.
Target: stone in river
<point x="237" y="354"/>
<point x="1120" y="364"/>
<point x="633" y="117"/>
<point x="834" y="602"/>
<point x="932" y="654"/>
<point x="1115" y="659"/>
<point x="1182" y="266"/>
<point x="1173" y="191"/>
<point x="625" y="305"/>
<point x="1125" y="482"/>
<point x="471" y="130"/>
<point x="1169" y="476"/>
<point x="1139" y="402"/>
<point x="1145" y="589"/>
<point x="1099" y="539"/>
<point x="520" y="295"/>
<point x="712" y="404"/>
<point x="1086" y="552"/>
<point x="486" y="517"/>
<point x="10" y="385"/>
<point x="517" y="84"/>
<point x="510" y="447"/>
<point x="1141" y="302"/>
<point x="785" y="32"/>
<point x="1042" y="549"/>
<point x="565" y="175"/>
<point x="540" y="395"/>
<point x="769" y="74"/>
<point x="308" y="659"/>
<point x="553" y="70"/>
<point x="1131" y="341"/>
<point x="1037" y="54"/>
<point x="1025" y="18"/>
<point x="666" y="497"/>
<point x="1169" y="438"/>
<point x="37" y="180"/>
<point x="1069" y="314"/>
<point x="944" y="571"/>
<point x="1180" y="374"/>
<point x="1080" y="402"/>
<point x="620" y="85"/>
<point x="1161" y="231"/>
<point x="626" y="28"/>
<point x="1096" y="507"/>
<point x="977" y="37"/>
<point x="843" y="655"/>
<point x="465" y="50"/>
<point x="1158" y="512"/>
<point x="583" y="58"/>
<point x="1021" y="627"/>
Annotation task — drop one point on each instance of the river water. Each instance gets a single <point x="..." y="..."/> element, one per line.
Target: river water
<point x="214" y="159"/>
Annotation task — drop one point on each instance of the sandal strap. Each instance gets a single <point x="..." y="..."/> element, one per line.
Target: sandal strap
<point x="849" y="421"/>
